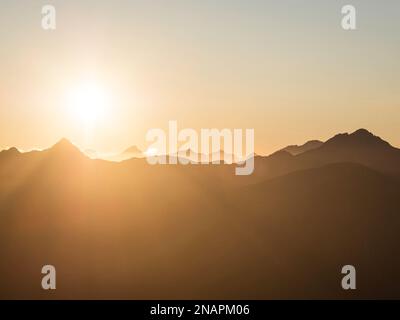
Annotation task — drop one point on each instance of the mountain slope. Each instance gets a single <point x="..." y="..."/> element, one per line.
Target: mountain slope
<point x="309" y="145"/>
<point x="360" y="147"/>
<point x="315" y="221"/>
<point x="130" y="230"/>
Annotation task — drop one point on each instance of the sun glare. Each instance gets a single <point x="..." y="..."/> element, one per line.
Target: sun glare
<point x="89" y="103"/>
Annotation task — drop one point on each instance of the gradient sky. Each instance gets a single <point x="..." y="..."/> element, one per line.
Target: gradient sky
<point x="285" y="68"/>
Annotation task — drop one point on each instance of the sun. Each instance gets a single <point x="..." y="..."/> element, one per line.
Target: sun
<point x="88" y="102"/>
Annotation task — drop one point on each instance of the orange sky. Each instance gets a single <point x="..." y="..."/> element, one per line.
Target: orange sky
<point x="288" y="71"/>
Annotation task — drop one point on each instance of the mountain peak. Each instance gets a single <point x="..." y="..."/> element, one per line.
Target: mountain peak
<point x="10" y="152"/>
<point x="133" y="149"/>
<point x="63" y="142"/>
<point x="13" y="150"/>
<point x="65" y="146"/>
<point x="309" y="145"/>
<point x="360" y="137"/>
<point x="362" y="133"/>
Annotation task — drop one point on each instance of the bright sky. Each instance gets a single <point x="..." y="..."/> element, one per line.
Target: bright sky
<point x="285" y="68"/>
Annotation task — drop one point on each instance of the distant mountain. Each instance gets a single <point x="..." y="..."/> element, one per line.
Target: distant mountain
<point x="131" y="230"/>
<point x="91" y="153"/>
<point x="64" y="146"/>
<point x="361" y="147"/>
<point x="220" y="156"/>
<point x="357" y="139"/>
<point x="133" y="150"/>
<point x="9" y="152"/>
<point x="63" y="150"/>
<point x="310" y="145"/>
<point x="129" y="153"/>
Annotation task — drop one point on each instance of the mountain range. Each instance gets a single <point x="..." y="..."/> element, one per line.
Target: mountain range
<point x="309" y="145"/>
<point x="130" y="230"/>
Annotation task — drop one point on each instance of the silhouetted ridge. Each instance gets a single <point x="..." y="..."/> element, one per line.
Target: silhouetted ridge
<point x="359" y="138"/>
<point x="12" y="150"/>
<point x="281" y="154"/>
<point x="309" y="145"/>
<point x="297" y="218"/>
<point x="9" y="152"/>
<point x="133" y="149"/>
<point x="362" y="132"/>
<point x="64" y="146"/>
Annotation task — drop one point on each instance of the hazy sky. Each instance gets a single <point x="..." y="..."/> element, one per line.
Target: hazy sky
<point x="285" y="68"/>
